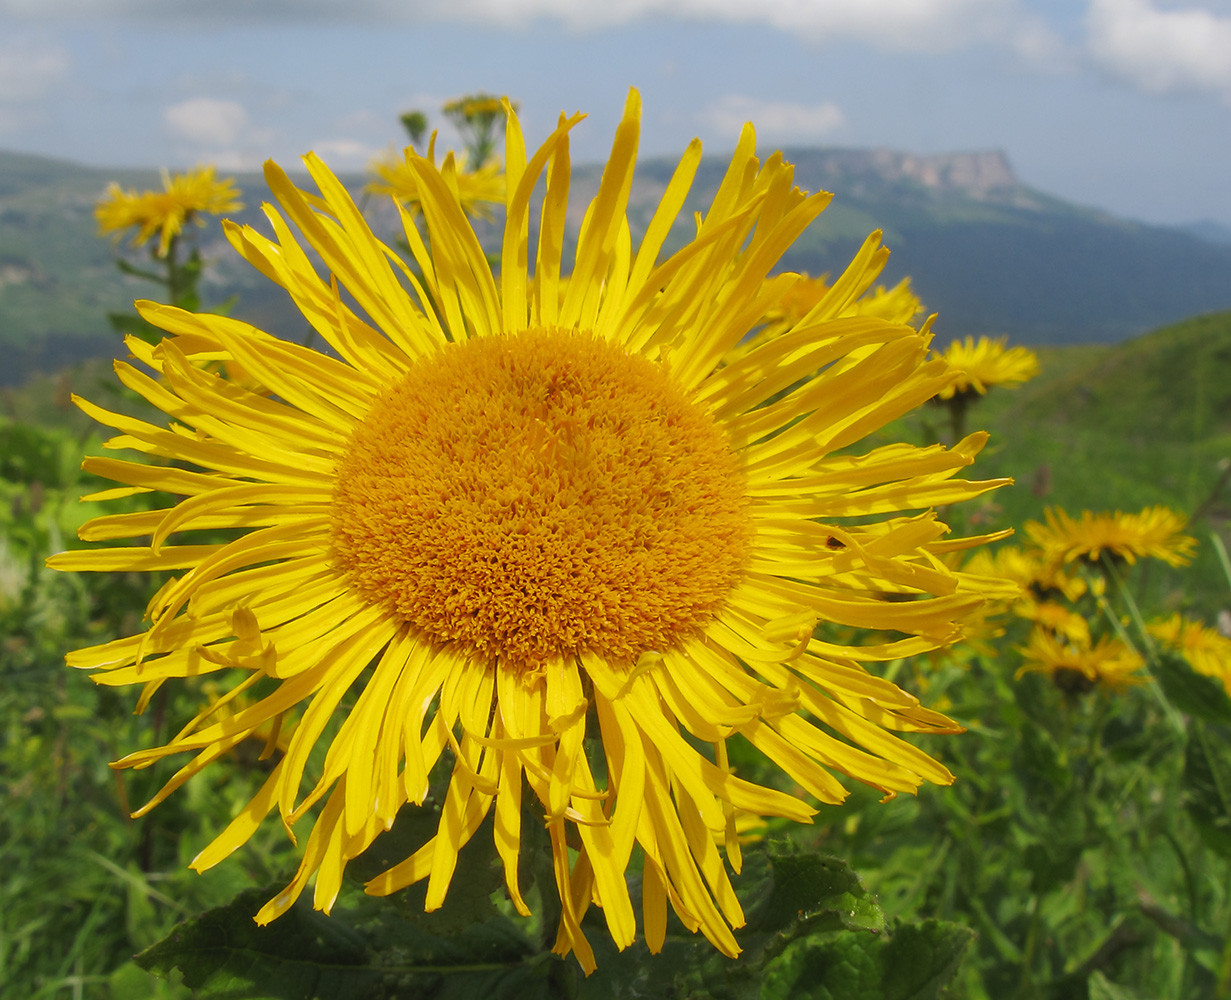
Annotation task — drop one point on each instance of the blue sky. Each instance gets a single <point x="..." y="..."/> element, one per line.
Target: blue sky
<point x="1120" y="104"/>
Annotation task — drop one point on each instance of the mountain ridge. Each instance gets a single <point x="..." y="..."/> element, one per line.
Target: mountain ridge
<point x="986" y="251"/>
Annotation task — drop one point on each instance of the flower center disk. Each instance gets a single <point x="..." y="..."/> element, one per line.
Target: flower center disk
<point x="540" y="494"/>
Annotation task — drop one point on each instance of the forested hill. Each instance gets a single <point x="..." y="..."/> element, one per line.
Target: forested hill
<point x="988" y="253"/>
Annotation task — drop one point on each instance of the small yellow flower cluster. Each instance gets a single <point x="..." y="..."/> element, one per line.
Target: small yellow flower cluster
<point x="476" y="190"/>
<point x="184" y="197"/>
<point x="1061" y="643"/>
<point x="474" y="106"/>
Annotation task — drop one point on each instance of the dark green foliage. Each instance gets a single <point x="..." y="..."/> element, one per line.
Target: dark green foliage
<point x="811" y="926"/>
<point x="1083" y="853"/>
<point x="916" y="962"/>
<point x="223" y="954"/>
<point x="1190" y="692"/>
<point x="1207" y="783"/>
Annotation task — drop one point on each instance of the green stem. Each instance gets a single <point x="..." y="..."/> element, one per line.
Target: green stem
<point x="1221" y="551"/>
<point x="958" y="404"/>
<point x="1223" y="989"/>
<point x="173" y="276"/>
<point x="1190" y="883"/>
<point x="1032" y="937"/>
<point x="1151" y="651"/>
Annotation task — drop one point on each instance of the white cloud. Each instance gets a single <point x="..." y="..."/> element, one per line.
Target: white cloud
<point x="914" y="25"/>
<point x="773" y="119"/>
<point x="890" y="24"/>
<point x="206" y="121"/>
<point x="345" y="154"/>
<point x="1161" y="51"/>
<point x="28" y="70"/>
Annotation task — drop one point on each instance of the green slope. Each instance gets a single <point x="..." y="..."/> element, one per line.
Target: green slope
<point x="58" y="278"/>
<point x="1106" y="428"/>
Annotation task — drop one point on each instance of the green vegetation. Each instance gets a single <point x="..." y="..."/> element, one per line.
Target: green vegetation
<point x="1084" y="851"/>
<point x="1120" y="428"/>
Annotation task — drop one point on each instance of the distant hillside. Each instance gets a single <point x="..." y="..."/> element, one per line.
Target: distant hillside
<point x="58" y="279"/>
<point x="1170" y="385"/>
<point x="1126" y="425"/>
<point x="986" y="252"/>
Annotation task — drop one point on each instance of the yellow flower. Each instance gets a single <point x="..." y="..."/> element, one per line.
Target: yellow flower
<point x="1056" y="618"/>
<point x="897" y="304"/>
<point x="987" y="363"/>
<point x="183" y="198"/>
<point x="501" y="520"/>
<point x="1077" y="666"/>
<point x="1038" y="579"/>
<point x="1154" y="533"/>
<point x="474" y="106"/>
<point x="1206" y="650"/>
<point x="475" y="190"/>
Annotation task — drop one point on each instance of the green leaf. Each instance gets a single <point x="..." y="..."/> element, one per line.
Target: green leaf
<point x="1051" y="863"/>
<point x="129" y="323"/>
<point x="1102" y="988"/>
<point x="369" y="948"/>
<point x="129" y="982"/>
<point x="1192" y="693"/>
<point x="821" y="890"/>
<point x="224" y="954"/>
<point x="916" y="963"/>
<point x="136" y="272"/>
<point x="1207" y="784"/>
<point x="786" y="898"/>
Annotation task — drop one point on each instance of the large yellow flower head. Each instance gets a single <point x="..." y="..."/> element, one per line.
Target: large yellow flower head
<point x="1154" y="533"/>
<point x="475" y="190"/>
<point x="501" y="521"/>
<point x="183" y="198"/>
<point x="986" y="363"/>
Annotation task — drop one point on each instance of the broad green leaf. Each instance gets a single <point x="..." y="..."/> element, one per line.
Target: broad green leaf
<point x="305" y="955"/>
<point x="915" y="962"/>
<point x="786" y="898"/>
<point x="1192" y="693"/>
<point x="222" y="954"/>
<point x="129" y="982"/>
<point x="822" y="890"/>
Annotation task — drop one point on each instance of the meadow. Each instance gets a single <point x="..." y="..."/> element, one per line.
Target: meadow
<point x="1083" y="851"/>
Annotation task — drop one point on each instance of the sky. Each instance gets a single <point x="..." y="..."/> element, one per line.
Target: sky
<point x="1122" y="105"/>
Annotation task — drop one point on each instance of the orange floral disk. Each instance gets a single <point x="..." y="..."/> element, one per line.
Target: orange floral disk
<point x="516" y="514"/>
